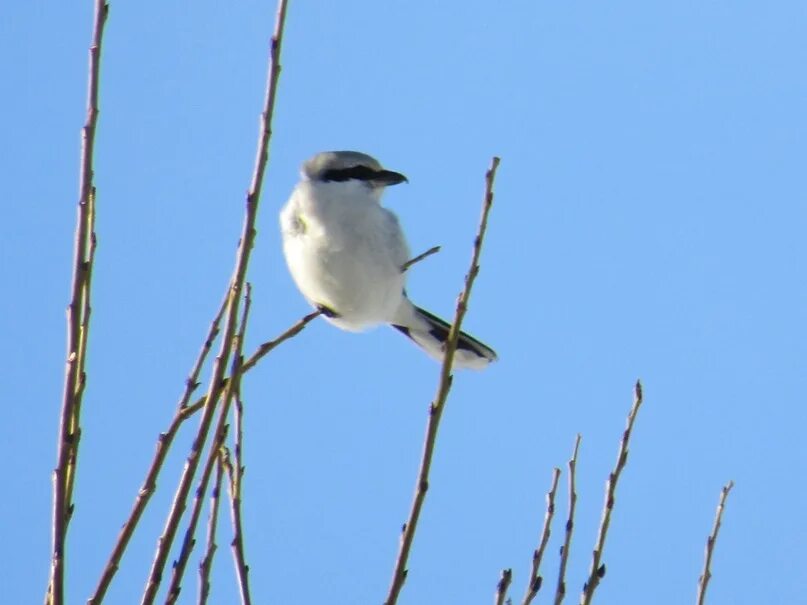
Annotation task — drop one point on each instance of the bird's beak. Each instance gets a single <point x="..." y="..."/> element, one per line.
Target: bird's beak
<point x="385" y="178"/>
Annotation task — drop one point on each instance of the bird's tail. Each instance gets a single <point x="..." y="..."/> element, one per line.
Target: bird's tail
<point x="430" y="333"/>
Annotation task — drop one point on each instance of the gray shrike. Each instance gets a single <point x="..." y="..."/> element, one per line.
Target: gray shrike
<point x="346" y="254"/>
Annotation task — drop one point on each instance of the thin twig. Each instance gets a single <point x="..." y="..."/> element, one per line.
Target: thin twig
<point x="560" y="591"/>
<point x="239" y="560"/>
<point x="597" y="571"/>
<point x="184" y="412"/>
<point x="235" y="472"/>
<point x="437" y="406"/>
<point x="84" y="333"/>
<point x="192" y="382"/>
<point x="236" y="284"/>
<point x="207" y="560"/>
<point x="266" y="347"/>
<point x="164" y="441"/>
<point x="231" y="387"/>
<point x="534" y="584"/>
<point x="502" y="586"/>
<point x="419" y="257"/>
<point x="188" y="541"/>
<point x="238" y="408"/>
<point x="213" y="455"/>
<point x="262" y="350"/>
<point x="703" y="581"/>
<point x="78" y="316"/>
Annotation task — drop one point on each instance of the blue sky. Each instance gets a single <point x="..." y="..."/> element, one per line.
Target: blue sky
<point x="649" y="223"/>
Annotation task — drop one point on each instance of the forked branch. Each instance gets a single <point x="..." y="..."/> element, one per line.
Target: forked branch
<point x="216" y="388"/>
<point x="213" y="456"/>
<point x="164" y="441"/>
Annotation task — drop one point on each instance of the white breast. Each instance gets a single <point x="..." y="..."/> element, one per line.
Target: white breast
<point x="345" y="251"/>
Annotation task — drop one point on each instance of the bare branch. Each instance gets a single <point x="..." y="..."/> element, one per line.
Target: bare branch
<point x="560" y="591"/>
<point x="207" y="561"/>
<point x="213" y="455"/>
<point x="78" y="317"/>
<point x="235" y="474"/>
<point x="437" y="406"/>
<point x="266" y="347"/>
<point x="259" y="354"/>
<point x="419" y="257"/>
<point x="534" y="584"/>
<point x="192" y="382"/>
<point x="597" y="571"/>
<point x="231" y="318"/>
<point x="188" y="541"/>
<point x="164" y="441"/>
<point x="502" y="586"/>
<point x="703" y="581"/>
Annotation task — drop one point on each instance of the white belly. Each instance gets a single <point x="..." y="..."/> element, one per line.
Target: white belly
<point x="345" y="253"/>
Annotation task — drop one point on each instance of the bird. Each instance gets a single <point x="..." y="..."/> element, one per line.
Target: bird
<point x="347" y="254"/>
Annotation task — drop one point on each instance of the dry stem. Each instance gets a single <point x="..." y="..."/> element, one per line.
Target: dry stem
<point x="597" y="568"/>
<point x="703" y="581"/>
<point x="502" y="586"/>
<point x="207" y="560"/>
<point x="188" y="542"/>
<point x="437" y="406"/>
<point x="236" y="286"/>
<point x="259" y="354"/>
<point x="78" y="317"/>
<point x="235" y="473"/>
<point x="185" y="410"/>
<point x="419" y="257"/>
<point x="213" y="455"/>
<point x="164" y="442"/>
<point x="265" y="348"/>
<point x="534" y="584"/>
<point x="560" y="591"/>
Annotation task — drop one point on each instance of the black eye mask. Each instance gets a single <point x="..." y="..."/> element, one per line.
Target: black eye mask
<point x="359" y="173"/>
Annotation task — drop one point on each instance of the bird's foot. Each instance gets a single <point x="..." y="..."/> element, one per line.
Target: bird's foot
<point x="327" y="311"/>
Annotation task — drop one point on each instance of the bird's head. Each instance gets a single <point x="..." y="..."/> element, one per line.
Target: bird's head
<point x="350" y="166"/>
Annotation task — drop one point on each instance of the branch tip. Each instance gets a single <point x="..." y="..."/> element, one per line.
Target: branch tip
<point x="437" y="405"/>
